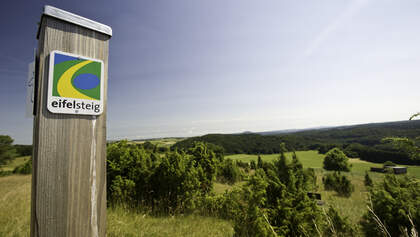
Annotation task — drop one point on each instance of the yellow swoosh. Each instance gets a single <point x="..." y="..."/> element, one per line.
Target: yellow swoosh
<point x="64" y="86"/>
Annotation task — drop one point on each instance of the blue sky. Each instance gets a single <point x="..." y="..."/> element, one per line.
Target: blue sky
<point x="185" y="68"/>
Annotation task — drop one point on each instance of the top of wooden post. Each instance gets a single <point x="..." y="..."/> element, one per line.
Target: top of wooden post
<point x="75" y="19"/>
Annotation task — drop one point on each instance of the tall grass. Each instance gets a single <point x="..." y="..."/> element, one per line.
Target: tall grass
<point x="15" y="195"/>
<point x="123" y="222"/>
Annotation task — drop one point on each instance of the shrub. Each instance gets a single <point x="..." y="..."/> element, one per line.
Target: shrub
<point x="310" y="179"/>
<point x="206" y="161"/>
<point x="242" y="164"/>
<point x="250" y="220"/>
<point x="25" y="168"/>
<point x="336" y="160"/>
<point x="339" y="183"/>
<point x="253" y="165"/>
<point x="389" y="163"/>
<point x="229" y="172"/>
<point x="337" y="225"/>
<point x="170" y="184"/>
<point x="23" y="150"/>
<point x="368" y="181"/>
<point x="393" y="201"/>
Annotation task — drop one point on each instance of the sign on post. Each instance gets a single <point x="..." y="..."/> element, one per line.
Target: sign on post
<point x="75" y="84"/>
<point x="69" y="138"/>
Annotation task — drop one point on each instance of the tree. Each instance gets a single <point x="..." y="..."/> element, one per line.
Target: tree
<point x="407" y="145"/>
<point x="7" y="151"/>
<point x="336" y="160"/>
<point x="259" y="163"/>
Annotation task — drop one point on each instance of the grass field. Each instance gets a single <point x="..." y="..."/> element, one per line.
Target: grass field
<point x="162" y="142"/>
<point x="353" y="207"/>
<point x="15" y="195"/>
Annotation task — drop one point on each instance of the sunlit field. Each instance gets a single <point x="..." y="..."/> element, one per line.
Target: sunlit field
<point x="15" y="196"/>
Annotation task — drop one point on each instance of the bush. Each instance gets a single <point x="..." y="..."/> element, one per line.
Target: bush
<point x="242" y="164"/>
<point x="339" y="183"/>
<point x="310" y="179"/>
<point x="336" y="160"/>
<point x="229" y="172"/>
<point x="368" y="181"/>
<point x="250" y="220"/>
<point x="253" y="165"/>
<point x="337" y="225"/>
<point x="169" y="184"/>
<point x="23" y="150"/>
<point x="389" y="163"/>
<point x="393" y="201"/>
<point x="25" y="168"/>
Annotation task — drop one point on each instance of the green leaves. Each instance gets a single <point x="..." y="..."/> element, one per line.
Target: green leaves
<point x="336" y="160"/>
<point x="166" y="183"/>
<point x="7" y="151"/>
<point x="339" y="183"/>
<point x="394" y="202"/>
<point x="407" y="145"/>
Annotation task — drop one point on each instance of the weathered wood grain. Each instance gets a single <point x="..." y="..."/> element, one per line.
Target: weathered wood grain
<point x="62" y="176"/>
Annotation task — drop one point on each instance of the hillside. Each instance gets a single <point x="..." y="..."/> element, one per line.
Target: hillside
<point x="365" y="140"/>
<point x="365" y="134"/>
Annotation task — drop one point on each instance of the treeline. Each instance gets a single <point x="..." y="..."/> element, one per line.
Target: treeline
<point x="365" y="134"/>
<point x="362" y="141"/>
<point x="238" y="143"/>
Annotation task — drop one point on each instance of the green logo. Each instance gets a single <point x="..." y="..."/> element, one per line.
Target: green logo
<point x="75" y="84"/>
<point x="76" y="77"/>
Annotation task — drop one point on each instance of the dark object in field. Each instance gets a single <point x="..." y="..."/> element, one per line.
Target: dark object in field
<point x="377" y="169"/>
<point x="316" y="196"/>
<point x="400" y="170"/>
<point x="395" y="169"/>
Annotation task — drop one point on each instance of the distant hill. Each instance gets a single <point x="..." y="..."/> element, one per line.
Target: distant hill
<point x="367" y="137"/>
<point x="366" y="134"/>
<point x="286" y="131"/>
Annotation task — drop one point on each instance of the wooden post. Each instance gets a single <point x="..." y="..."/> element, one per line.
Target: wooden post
<point x="69" y="158"/>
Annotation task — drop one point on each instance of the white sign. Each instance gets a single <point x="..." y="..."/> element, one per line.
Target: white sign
<point x="75" y="84"/>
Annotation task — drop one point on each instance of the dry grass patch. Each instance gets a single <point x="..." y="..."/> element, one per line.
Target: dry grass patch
<point x="122" y="222"/>
<point x="15" y="201"/>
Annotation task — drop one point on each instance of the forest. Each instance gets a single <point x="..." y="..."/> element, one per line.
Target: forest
<point x="363" y="141"/>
